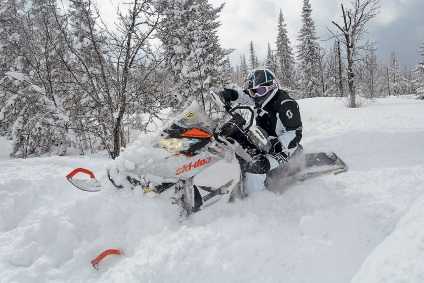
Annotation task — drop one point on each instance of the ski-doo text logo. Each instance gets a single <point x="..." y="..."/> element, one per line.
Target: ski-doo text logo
<point x="191" y="165"/>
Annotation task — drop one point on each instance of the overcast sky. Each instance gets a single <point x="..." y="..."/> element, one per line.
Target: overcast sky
<point x="399" y="27"/>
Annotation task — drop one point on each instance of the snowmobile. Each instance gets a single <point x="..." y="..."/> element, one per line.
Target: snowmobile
<point x="197" y="163"/>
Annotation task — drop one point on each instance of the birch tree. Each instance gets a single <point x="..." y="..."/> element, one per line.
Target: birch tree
<point x="351" y="33"/>
<point x="371" y="76"/>
<point x="74" y="81"/>
<point x="112" y="67"/>
<point x="330" y="73"/>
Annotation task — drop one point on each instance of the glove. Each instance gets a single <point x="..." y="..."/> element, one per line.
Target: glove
<point x="233" y="125"/>
<point x="275" y="145"/>
<point x="228" y="95"/>
<point x="228" y="129"/>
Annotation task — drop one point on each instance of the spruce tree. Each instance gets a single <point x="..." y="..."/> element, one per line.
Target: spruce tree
<point x="33" y="109"/>
<point x="243" y="69"/>
<point x="308" y="54"/>
<point x="419" y="70"/>
<point x="9" y="44"/>
<point x="188" y="31"/>
<point x="253" y="59"/>
<point x="285" y="58"/>
<point x="396" y="78"/>
<point x="270" y="59"/>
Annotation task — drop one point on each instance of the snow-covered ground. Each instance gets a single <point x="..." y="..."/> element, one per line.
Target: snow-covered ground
<point x="365" y="225"/>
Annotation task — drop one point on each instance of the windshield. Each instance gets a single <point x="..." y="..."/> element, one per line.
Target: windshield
<point x="193" y="117"/>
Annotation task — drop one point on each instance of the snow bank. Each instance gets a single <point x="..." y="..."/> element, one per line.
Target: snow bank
<point x="400" y="257"/>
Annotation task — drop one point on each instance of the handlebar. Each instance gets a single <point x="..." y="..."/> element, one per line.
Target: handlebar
<point x="236" y="116"/>
<point x="230" y="110"/>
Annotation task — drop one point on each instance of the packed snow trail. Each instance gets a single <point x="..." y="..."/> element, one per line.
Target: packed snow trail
<point x="364" y="224"/>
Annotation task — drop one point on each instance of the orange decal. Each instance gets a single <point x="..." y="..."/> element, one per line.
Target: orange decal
<point x="191" y="165"/>
<point x="196" y="133"/>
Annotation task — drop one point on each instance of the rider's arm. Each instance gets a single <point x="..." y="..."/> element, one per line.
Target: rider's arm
<point x="289" y="124"/>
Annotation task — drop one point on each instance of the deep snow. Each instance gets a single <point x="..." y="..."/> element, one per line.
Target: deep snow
<point x="365" y="225"/>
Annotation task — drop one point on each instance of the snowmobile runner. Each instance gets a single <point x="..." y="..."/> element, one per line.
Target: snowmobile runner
<point x="193" y="162"/>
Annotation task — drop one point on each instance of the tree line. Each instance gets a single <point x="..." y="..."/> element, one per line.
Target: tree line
<point x="349" y="68"/>
<point x="68" y="79"/>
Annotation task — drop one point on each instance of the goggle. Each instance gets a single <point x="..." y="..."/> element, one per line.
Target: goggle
<point x="261" y="90"/>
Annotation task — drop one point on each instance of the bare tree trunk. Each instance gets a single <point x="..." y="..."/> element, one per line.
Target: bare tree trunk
<point x="388" y="80"/>
<point x="118" y="135"/>
<point x="339" y="55"/>
<point x="322" y="72"/>
<point x="350" y="74"/>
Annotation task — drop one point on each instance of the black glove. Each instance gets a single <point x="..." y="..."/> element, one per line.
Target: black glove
<point x="235" y="124"/>
<point x="275" y="144"/>
<point x="228" y="129"/>
<point x="228" y="95"/>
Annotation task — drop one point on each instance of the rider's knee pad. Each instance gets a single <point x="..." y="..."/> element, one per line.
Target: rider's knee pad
<point x="259" y="165"/>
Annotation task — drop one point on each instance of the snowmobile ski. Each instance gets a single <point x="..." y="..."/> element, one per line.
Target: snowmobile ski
<point x="88" y="185"/>
<point x="95" y="262"/>
<point x="307" y="166"/>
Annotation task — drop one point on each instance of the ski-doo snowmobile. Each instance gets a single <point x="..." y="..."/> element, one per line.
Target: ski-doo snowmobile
<point x="193" y="162"/>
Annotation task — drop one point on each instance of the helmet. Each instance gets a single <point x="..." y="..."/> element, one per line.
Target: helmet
<point x="261" y="85"/>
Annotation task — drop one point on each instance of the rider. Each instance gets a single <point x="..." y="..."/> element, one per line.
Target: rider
<point x="277" y="114"/>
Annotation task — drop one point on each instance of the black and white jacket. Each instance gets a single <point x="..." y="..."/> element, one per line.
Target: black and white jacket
<point x="279" y="117"/>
